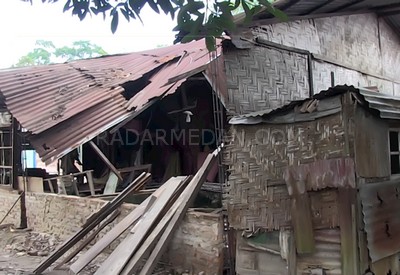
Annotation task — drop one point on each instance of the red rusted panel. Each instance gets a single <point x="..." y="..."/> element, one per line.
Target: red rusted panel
<point x="381" y="208"/>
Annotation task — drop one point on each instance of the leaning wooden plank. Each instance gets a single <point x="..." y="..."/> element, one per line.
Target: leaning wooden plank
<point x="144" y="248"/>
<point x="91" y="223"/>
<point x="183" y="203"/>
<point x="111" y="184"/>
<point x="89" y="238"/>
<point x="136" y="185"/>
<point x="111" y="235"/>
<point x="118" y="258"/>
<point x="105" y="159"/>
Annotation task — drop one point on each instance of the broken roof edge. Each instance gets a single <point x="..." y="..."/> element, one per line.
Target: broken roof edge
<point x="385" y="106"/>
<point x="53" y="155"/>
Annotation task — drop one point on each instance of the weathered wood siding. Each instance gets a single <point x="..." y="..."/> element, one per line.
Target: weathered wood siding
<point x="371" y="145"/>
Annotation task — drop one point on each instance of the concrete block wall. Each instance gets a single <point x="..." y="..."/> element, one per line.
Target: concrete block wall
<point x="197" y="245"/>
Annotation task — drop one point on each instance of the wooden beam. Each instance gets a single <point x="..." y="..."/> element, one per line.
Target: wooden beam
<point x="301" y="215"/>
<point x="114" y="233"/>
<point x="105" y="159"/>
<point x="89" y="238"/>
<point x="178" y="213"/>
<point x="348" y="232"/>
<point x="121" y="255"/>
<point x="92" y="222"/>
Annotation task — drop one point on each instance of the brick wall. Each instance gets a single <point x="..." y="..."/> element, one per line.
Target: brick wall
<point x="196" y="246"/>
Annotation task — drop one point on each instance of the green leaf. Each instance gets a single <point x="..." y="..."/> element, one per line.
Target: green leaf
<point x="153" y="5"/>
<point x="274" y="11"/>
<point x="67" y="6"/>
<point x="114" y="22"/>
<point x="247" y="12"/>
<point x="167" y="7"/>
<point x="126" y="14"/>
<point x="210" y="43"/>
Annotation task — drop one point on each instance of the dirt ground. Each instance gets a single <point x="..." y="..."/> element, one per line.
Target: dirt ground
<point x="22" y="251"/>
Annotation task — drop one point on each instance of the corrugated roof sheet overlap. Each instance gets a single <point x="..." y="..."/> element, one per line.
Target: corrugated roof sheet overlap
<point x="65" y="105"/>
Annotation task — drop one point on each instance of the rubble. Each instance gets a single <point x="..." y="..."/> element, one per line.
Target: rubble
<point x="33" y="244"/>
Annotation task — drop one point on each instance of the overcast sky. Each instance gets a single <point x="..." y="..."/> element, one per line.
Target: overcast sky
<point x="22" y="24"/>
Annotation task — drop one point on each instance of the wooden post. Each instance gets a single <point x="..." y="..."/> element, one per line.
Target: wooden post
<point x="90" y="182"/>
<point x="348" y="234"/>
<point x="105" y="159"/>
<point x="301" y="215"/>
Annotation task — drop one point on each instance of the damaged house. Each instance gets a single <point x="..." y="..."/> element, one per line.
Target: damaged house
<point x="308" y="187"/>
<point x="315" y="184"/>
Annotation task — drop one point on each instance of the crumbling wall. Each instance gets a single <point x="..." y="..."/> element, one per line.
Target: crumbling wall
<point x="196" y="246"/>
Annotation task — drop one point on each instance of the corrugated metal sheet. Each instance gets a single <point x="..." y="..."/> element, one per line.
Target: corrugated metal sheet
<point x="65" y="105"/>
<point x="327" y="254"/>
<point x="381" y="208"/>
<point x="384" y="106"/>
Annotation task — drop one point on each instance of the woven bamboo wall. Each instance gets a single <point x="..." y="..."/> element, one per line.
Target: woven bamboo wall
<point x="360" y="41"/>
<point x="256" y="193"/>
<point x="301" y="34"/>
<point x="263" y="78"/>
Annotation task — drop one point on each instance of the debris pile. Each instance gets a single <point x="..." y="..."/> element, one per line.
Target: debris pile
<point x="150" y="226"/>
<point x="33" y="244"/>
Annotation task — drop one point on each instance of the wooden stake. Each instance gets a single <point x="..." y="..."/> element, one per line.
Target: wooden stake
<point x="105" y="159"/>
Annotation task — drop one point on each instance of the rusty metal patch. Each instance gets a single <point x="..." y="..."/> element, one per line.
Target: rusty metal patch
<point x="324" y="173"/>
<point x="381" y="208"/>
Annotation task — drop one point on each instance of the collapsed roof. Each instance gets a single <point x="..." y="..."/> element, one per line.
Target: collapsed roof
<point x="65" y="105"/>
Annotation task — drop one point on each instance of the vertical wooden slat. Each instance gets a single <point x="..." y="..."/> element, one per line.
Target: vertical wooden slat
<point x="292" y="258"/>
<point x="90" y="182"/>
<point x="347" y="222"/>
<point x="301" y="215"/>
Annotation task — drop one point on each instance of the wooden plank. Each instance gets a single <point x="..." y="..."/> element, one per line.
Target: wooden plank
<point x="182" y="204"/>
<point x="75" y="187"/>
<point x="151" y="239"/>
<point x="89" y="238"/>
<point x="92" y="222"/>
<point x="119" y="257"/>
<point x="371" y="150"/>
<point x="146" y="167"/>
<point x="105" y="159"/>
<point x="292" y="257"/>
<point x="114" y="233"/>
<point x="50" y="185"/>
<point x="301" y="214"/>
<point x="89" y="176"/>
<point x="346" y="204"/>
<point x="111" y="184"/>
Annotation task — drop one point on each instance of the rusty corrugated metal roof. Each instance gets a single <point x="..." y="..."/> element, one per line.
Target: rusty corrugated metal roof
<point x="65" y="105"/>
<point x="383" y="105"/>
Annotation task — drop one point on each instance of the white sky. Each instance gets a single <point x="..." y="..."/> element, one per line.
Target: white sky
<point x="22" y="24"/>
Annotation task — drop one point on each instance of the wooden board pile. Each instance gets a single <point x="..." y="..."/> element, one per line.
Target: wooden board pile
<point x="151" y="225"/>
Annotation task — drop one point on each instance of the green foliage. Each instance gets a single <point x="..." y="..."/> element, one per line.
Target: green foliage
<point x="45" y="53"/>
<point x="195" y="18"/>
